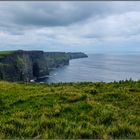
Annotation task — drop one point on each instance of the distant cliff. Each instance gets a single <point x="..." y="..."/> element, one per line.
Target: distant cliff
<point x="26" y="65"/>
<point x="76" y="55"/>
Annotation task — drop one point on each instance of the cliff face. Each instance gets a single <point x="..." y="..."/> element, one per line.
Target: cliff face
<point x="27" y="65"/>
<point x="14" y="67"/>
<point x="22" y="65"/>
<point x="56" y="59"/>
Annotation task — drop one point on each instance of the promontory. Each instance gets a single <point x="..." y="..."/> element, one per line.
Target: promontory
<point x="23" y="65"/>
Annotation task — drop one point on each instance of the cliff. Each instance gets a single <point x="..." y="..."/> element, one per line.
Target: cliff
<point x="56" y="59"/>
<point x="22" y="65"/>
<point x="76" y="55"/>
<point x="26" y="65"/>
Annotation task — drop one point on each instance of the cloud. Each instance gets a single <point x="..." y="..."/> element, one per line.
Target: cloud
<point x="125" y="24"/>
<point x="48" y="13"/>
<point x="68" y="24"/>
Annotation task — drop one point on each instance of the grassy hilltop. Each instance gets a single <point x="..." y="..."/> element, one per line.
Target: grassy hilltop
<point x="7" y="52"/>
<point x="70" y="110"/>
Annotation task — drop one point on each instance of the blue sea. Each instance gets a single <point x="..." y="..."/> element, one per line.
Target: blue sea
<point x="98" y="67"/>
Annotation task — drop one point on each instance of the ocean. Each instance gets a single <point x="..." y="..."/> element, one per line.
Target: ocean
<point x="98" y="67"/>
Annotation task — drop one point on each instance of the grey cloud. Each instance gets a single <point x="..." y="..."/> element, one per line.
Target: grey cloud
<point x="50" y="13"/>
<point x="37" y="15"/>
<point x="57" y="13"/>
<point x="18" y="17"/>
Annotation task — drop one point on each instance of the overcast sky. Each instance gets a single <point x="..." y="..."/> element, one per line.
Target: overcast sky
<point x="98" y="27"/>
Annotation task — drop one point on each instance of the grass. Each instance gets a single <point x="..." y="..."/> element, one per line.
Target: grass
<point x="70" y="110"/>
<point x="7" y="52"/>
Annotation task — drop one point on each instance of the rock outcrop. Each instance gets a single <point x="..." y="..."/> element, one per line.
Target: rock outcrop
<point x="26" y="65"/>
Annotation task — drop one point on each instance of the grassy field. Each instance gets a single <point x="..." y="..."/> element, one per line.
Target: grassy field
<point x="71" y="110"/>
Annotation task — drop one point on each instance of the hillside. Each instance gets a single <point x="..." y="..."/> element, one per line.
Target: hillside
<point x="27" y="65"/>
<point x="70" y="110"/>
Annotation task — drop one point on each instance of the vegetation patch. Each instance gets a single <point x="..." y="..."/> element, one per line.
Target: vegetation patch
<point x="7" y="52"/>
<point x="70" y="110"/>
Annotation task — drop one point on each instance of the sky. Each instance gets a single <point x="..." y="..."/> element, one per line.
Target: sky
<point x="87" y="26"/>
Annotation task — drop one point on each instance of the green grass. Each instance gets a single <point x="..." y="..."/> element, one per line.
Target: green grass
<point x="7" y="52"/>
<point x="70" y="110"/>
